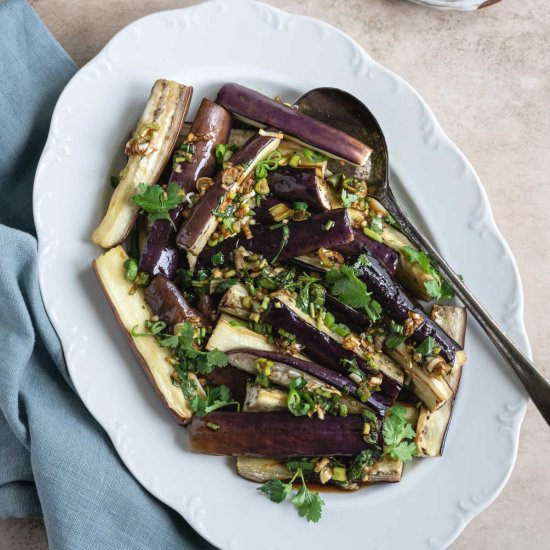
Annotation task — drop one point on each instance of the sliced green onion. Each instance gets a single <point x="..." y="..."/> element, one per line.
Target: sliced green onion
<point x="298" y="205"/>
<point x="329" y="225"/>
<point x="341" y="330"/>
<point x="370" y="233"/>
<point x="294" y="161"/>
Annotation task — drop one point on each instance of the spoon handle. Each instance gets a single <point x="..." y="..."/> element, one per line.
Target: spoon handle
<point x="536" y="385"/>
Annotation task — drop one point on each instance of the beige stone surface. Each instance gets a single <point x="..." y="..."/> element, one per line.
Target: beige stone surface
<point x="487" y="77"/>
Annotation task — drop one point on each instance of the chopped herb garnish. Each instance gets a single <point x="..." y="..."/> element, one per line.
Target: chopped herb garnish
<point x="217" y="259"/>
<point x="399" y="435"/>
<point x="346" y="286"/>
<point x="157" y="202"/>
<point x="347" y="198"/>
<point x="308" y="503"/>
<point x="314" y="156"/>
<point x="426" y="347"/>
<point x="377" y="225"/>
<point x="436" y="288"/>
<point x="284" y="240"/>
<point x="393" y="341"/>
<point x="131" y="267"/>
<point x="216" y="398"/>
<point x="299" y="205"/>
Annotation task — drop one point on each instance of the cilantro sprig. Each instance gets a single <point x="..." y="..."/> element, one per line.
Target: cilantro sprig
<point x="216" y="398"/>
<point x="308" y="503"/>
<point x="399" y="435"/>
<point x="436" y="288"/>
<point x="348" y="288"/>
<point x="157" y="202"/>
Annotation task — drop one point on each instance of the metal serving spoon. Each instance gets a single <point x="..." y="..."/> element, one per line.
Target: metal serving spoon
<point x="347" y="113"/>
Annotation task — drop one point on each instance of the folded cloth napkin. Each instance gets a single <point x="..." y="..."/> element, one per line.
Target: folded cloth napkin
<point x="55" y="460"/>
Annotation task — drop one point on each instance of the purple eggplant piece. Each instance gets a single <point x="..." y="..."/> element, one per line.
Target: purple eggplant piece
<point x="277" y="435"/>
<point x="258" y="108"/>
<point x="323" y="349"/>
<point x="166" y="301"/>
<point x="262" y="215"/>
<point x="200" y="218"/>
<point x="398" y="305"/>
<point x="211" y="126"/>
<point x="339" y="381"/>
<point x="342" y="313"/>
<point x="207" y="304"/>
<point x="160" y="256"/>
<point x="447" y="346"/>
<point x="361" y="243"/>
<point x="299" y="185"/>
<point x="303" y="237"/>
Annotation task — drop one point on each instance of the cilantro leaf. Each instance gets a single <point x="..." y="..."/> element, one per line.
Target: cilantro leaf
<point x="217" y="358"/>
<point x="346" y="286"/>
<point x="347" y="198"/>
<point x="426" y="347"/>
<point x="157" y="202"/>
<point x="276" y="490"/>
<point x="216" y="398"/>
<point x="393" y="341"/>
<point x="308" y="503"/>
<point x="437" y="288"/>
<point x="399" y="435"/>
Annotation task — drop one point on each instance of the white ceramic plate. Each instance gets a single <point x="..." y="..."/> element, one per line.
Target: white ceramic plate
<point x="458" y="5"/>
<point x="277" y="53"/>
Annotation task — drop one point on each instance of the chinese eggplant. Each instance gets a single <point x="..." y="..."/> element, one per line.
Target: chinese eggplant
<point x="148" y="151"/>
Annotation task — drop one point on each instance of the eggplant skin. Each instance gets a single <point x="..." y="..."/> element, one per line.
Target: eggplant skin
<point x="167" y="106"/>
<point x="339" y="381"/>
<point x="276" y="435"/>
<point x="344" y="314"/>
<point x="303" y="237"/>
<point x="361" y="243"/>
<point x="323" y="349"/>
<point x="131" y="310"/>
<point x="258" y="108"/>
<point x="166" y="301"/>
<point x="212" y="126"/>
<point x="299" y="185"/>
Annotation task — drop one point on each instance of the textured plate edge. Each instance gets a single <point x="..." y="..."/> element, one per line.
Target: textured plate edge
<point x="55" y="140"/>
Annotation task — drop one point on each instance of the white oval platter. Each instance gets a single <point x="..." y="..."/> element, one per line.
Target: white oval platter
<point x="279" y="54"/>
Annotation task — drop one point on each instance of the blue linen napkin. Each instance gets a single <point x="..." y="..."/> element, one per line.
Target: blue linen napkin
<point x="55" y="460"/>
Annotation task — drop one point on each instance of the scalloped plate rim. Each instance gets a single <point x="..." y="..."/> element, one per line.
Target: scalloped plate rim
<point x="488" y="221"/>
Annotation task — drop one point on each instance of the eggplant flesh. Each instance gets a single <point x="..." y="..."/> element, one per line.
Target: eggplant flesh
<point x="260" y="110"/>
<point x="285" y="370"/>
<point x="197" y="229"/>
<point x="155" y="138"/>
<point x="300" y="185"/>
<point x="132" y="310"/>
<point x="262" y="470"/>
<point x="212" y="126"/>
<point x="168" y="303"/>
<point x="432" y="427"/>
<point x="277" y="435"/>
<point x="260" y="399"/>
<point x="325" y="347"/>
<point x="282" y="244"/>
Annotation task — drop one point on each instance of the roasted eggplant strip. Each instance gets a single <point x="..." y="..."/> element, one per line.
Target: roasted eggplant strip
<point x="284" y="369"/>
<point x="300" y="185"/>
<point x="260" y="110"/>
<point x="211" y="127"/>
<point x="131" y="310"/>
<point x="229" y="333"/>
<point x="197" y="229"/>
<point x="398" y="305"/>
<point x="260" y="399"/>
<point x="277" y="435"/>
<point x="232" y="302"/>
<point x="283" y="242"/>
<point x="433" y="391"/>
<point x="432" y="427"/>
<point x="169" y="305"/>
<point x="325" y="346"/>
<point x="148" y="151"/>
<point x="262" y="470"/>
<point x="361" y="243"/>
